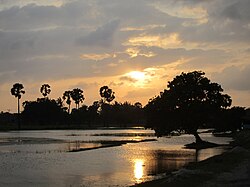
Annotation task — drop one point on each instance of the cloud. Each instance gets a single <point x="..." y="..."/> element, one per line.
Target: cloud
<point x="40" y="15"/>
<point x="163" y="41"/>
<point x="96" y="57"/>
<point x="128" y="79"/>
<point x="237" y="10"/>
<point x="134" y="52"/>
<point x="234" y="78"/>
<point x="102" y="36"/>
<point x="61" y="40"/>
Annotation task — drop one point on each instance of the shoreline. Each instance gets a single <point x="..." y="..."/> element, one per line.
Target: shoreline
<point x="231" y="168"/>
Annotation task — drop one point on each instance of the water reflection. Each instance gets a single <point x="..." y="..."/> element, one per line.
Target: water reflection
<point x="138" y="170"/>
<point x="77" y="145"/>
<point x="115" y="166"/>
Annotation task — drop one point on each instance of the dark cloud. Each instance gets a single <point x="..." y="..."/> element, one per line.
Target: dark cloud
<point x="234" y="78"/>
<point x="237" y="10"/>
<point x="33" y="16"/>
<point x="102" y="36"/>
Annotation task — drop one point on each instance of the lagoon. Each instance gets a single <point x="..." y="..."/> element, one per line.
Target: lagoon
<point x="44" y="158"/>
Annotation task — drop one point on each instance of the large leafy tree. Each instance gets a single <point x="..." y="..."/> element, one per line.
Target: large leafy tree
<point x="17" y="91"/>
<point x="107" y="94"/>
<point x="189" y="102"/>
<point x="77" y="96"/>
<point x="46" y="113"/>
<point x="45" y="90"/>
<point x="67" y="97"/>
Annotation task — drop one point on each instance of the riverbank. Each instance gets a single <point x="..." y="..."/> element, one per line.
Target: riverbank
<point x="231" y="168"/>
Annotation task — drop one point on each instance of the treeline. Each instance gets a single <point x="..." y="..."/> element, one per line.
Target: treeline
<point x="50" y="113"/>
<point x="190" y="101"/>
<point x="47" y="113"/>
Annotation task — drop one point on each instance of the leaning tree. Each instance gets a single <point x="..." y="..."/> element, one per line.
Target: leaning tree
<point x="45" y="90"/>
<point x="189" y="102"/>
<point x="17" y="91"/>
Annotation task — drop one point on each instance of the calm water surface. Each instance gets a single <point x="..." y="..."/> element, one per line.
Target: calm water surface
<point x="42" y="158"/>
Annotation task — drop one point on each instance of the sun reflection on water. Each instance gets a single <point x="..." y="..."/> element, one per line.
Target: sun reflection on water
<point x="138" y="170"/>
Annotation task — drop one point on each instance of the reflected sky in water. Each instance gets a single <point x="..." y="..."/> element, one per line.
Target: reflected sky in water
<point x="48" y="163"/>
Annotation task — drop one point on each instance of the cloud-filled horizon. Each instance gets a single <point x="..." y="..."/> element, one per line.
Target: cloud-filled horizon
<point x="133" y="47"/>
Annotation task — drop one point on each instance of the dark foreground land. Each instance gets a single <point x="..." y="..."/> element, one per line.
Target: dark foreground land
<point x="229" y="169"/>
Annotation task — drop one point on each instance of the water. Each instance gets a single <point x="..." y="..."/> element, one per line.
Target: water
<point x="42" y="158"/>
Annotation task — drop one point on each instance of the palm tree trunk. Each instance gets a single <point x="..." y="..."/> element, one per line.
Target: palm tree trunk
<point x="18" y="114"/>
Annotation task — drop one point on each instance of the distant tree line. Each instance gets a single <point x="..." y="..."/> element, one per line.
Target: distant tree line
<point x="47" y="113"/>
<point x="189" y="102"/>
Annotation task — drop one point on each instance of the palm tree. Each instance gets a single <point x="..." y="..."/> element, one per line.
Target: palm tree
<point x="17" y="91"/>
<point x="77" y="96"/>
<point x="67" y="96"/>
<point x="107" y="94"/>
<point x="45" y="90"/>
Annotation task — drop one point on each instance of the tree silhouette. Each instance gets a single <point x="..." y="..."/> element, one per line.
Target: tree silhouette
<point x="138" y="105"/>
<point x="67" y="97"/>
<point x="230" y="119"/>
<point x="17" y="91"/>
<point x="107" y="94"/>
<point x="77" y="96"/>
<point x="43" y="113"/>
<point x="45" y="90"/>
<point x="189" y="102"/>
<point x="94" y="112"/>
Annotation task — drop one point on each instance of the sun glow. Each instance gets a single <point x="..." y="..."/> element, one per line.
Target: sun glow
<point x="138" y="170"/>
<point x="137" y="75"/>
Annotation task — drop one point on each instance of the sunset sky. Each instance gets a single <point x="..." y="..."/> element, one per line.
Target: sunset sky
<point x="133" y="46"/>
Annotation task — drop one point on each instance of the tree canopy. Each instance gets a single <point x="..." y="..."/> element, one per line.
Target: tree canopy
<point x="45" y="90"/>
<point x="44" y="111"/>
<point x="189" y="102"/>
<point x="107" y="94"/>
<point x="17" y="91"/>
<point x="77" y="96"/>
<point x="67" y="96"/>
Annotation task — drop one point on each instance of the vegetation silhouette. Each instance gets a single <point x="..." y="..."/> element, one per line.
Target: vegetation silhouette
<point x="45" y="90"/>
<point x="67" y="96"/>
<point x="17" y="91"/>
<point x="77" y="96"/>
<point x="107" y="94"/>
<point x="51" y="114"/>
<point x="230" y="119"/>
<point x="43" y="113"/>
<point x="190" y="101"/>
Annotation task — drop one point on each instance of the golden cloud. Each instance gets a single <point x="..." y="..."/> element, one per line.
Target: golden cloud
<point x="142" y="28"/>
<point x="96" y="57"/>
<point x="134" y="52"/>
<point x="164" y="41"/>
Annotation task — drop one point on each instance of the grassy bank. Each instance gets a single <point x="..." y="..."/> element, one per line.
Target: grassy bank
<point x="231" y="168"/>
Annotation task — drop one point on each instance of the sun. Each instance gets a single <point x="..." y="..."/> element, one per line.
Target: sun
<point x="137" y="75"/>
